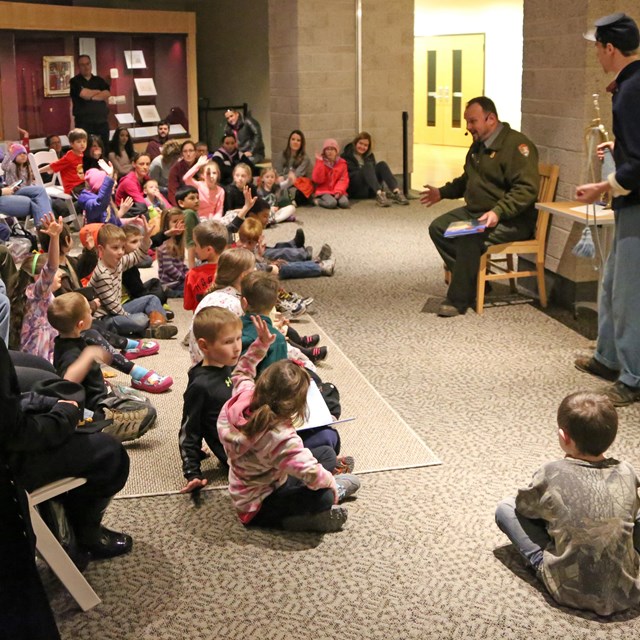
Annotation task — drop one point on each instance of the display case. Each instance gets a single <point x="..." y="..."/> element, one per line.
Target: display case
<point x="146" y="57"/>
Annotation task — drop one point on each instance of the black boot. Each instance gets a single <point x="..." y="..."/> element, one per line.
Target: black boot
<point x="99" y="541"/>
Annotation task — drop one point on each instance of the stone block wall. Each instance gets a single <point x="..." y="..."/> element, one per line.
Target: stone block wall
<point x="560" y="74"/>
<point x="313" y="73"/>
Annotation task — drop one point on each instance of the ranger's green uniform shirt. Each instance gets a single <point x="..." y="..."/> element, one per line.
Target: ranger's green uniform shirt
<point x="502" y="177"/>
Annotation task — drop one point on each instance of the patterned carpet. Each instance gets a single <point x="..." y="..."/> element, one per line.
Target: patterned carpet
<point x="420" y="556"/>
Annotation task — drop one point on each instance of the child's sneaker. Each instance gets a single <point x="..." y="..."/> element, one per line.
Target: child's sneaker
<point x="315" y="354"/>
<point x="327" y="267"/>
<point x="290" y="308"/>
<point x="324" y="522"/>
<point x="310" y="341"/>
<point x="283" y="294"/>
<point x="344" y="464"/>
<point x="152" y="382"/>
<point x="144" y="348"/>
<point x="167" y="312"/>
<point x="348" y="484"/>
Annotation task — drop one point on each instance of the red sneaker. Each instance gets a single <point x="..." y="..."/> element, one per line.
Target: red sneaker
<point x="153" y="382"/>
<point x="144" y="348"/>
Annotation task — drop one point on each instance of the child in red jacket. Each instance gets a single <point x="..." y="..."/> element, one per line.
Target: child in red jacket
<point x="331" y="177"/>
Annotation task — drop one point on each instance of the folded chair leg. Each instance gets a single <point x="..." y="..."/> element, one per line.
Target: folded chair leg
<point x="60" y="563"/>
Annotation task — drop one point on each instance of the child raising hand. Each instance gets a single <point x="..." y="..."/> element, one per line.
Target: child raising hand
<point x="274" y="481"/>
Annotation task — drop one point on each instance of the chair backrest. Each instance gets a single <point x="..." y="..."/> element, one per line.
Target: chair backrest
<point x="35" y="169"/>
<point x="549" y="174"/>
<point x="47" y="157"/>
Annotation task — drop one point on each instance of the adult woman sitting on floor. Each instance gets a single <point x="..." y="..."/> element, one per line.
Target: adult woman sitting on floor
<point x="294" y="168"/>
<point x="132" y="185"/>
<point x="368" y="178"/>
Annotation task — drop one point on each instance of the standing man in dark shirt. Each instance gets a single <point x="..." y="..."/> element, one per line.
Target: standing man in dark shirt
<point x="90" y="95"/>
<point x="617" y="356"/>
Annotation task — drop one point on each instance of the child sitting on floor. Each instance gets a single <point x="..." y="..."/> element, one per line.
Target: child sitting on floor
<point x="189" y="203"/>
<point x="331" y="177"/>
<point x="285" y="262"/>
<point x="274" y="481"/>
<point x="155" y="201"/>
<point x="134" y="316"/>
<point x="235" y="192"/>
<point x="78" y="361"/>
<point x="38" y="279"/>
<point x="96" y="200"/>
<point x="68" y="315"/>
<point x="172" y="270"/>
<point x="210" y="192"/>
<point x="577" y="524"/>
<point x="218" y="334"/>
<point x="210" y="240"/>
<point x="132" y="284"/>
<point x="233" y="266"/>
<point x="269" y="190"/>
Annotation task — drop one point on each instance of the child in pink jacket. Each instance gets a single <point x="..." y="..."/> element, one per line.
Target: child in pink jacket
<point x="331" y="177"/>
<point x="274" y="481"/>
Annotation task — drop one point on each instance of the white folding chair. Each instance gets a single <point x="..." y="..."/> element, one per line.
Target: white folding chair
<point x="51" y="550"/>
<point x="54" y="188"/>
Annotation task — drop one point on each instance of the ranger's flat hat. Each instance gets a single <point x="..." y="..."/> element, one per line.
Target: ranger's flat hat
<point x="618" y="29"/>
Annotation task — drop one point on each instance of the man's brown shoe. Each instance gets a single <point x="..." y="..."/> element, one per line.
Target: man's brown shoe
<point x="621" y="395"/>
<point x="590" y="365"/>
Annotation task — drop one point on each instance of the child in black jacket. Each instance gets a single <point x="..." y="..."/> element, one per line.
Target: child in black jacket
<point x="219" y="336"/>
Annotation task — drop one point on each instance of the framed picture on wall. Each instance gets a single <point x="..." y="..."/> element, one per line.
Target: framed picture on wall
<point x="57" y="73"/>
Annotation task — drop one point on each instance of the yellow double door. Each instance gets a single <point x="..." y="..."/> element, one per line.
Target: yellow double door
<point x="449" y="71"/>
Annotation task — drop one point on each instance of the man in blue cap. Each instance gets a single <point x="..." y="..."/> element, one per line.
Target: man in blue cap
<point x="617" y="355"/>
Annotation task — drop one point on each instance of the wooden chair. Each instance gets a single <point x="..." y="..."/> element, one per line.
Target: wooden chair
<point x="548" y="182"/>
<point x="51" y="550"/>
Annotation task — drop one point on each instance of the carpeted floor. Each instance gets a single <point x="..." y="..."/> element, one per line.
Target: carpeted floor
<point x="376" y="436"/>
<point x="420" y="556"/>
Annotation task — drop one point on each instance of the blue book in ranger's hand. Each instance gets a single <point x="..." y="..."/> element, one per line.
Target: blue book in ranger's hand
<point x="464" y="228"/>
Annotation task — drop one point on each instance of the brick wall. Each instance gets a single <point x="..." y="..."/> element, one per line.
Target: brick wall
<point x="312" y="56"/>
<point x="560" y="74"/>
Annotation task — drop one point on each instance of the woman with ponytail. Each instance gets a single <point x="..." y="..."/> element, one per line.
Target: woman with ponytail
<point x="274" y="481"/>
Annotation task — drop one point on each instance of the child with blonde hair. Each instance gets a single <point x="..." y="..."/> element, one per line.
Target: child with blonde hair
<point x="210" y="192"/>
<point x="274" y="481"/>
